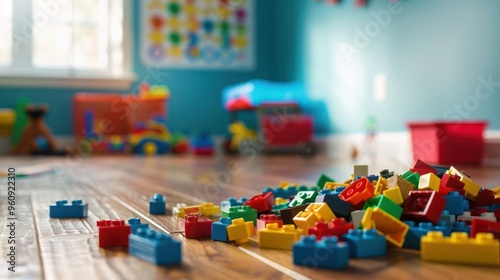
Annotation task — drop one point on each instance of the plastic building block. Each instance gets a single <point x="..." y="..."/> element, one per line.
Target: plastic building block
<point x="356" y="217"/>
<point x="467" y="217"/>
<point x="275" y="237"/>
<point x="403" y="185"/>
<point x="239" y="231"/>
<point x="135" y="224"/>
<point x="322" y="180"/>
<point x="327" y="253"/>
<point x="279" y="204"/>
<point x="395" y="195"/>
<point x="178" y="210"/>
<point x="454" y="203"/>
<point x="423" y="168"/>
<point x="393" y="229"/>
<point x="337" y="227"/>
<point x="429" y="182"/>
<point x="471" y="188"/>
<point x="360" y="170"/>
<point x="415" y="233"/>
<point x="479" y="225"/>
<point x="358" y="192"/>
<point x="365" y="243"/>
<point x="208" y="209"/>
<point x="246" y="212"/>
<point x="339" y="207"/>
<point x="451" y="182"/>
<point x="321" y="210"/>
<point x="267" y="219"/>
<point x="413" y="178"/>
<point x="63" y="209"/>
<point x="157" y="204"/>
<point x="424" y="206"/>
<point x="372" y="178"/>
<point x="386" y="174"/>
<point x="303" y="197"/>
<point x="113" y="233"/>
<point x="288" y="214"/>
<point x="447" y="218"/>
<point x="155" y="247"/>
<point x="262" y="202"/>
<point x="380" y="186"/>
<point x="459" y="248"/>
<point x="333" y="186"/>
<point x="460" y="227"/>
<point x="478" y="211"/>
<point x="219" y="229"/>
<point x="485" y="197"/>
<point x="196" y="225"/>
<point x="385" y="204"/>
<point x="305" y="220"/>
<point x="232" y="201"/>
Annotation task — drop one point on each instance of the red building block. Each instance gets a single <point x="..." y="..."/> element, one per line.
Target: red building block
<point x="262" y="202"/>
<point x="423" y="206"/>
<point x="451" y="181"/>
<point x="337" y="227"/>
<point x="497" y="214"/>
<point x="358" y="192"/>
<point x="113" y="233"/>
<point x="480" y="225"/>
<point x="196" y="225"/>
<point x="485" y="197"/>
<point x="267" y="219"/>
<point x="478" y="211"/>
<point x="422" y="168"/>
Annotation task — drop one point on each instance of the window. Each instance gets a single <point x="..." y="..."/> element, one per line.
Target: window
<point x="54" y="41"/>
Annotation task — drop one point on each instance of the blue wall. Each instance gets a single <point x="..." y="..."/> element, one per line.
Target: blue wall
<point x="432" y="52"/>
<point x="195" y="104"/>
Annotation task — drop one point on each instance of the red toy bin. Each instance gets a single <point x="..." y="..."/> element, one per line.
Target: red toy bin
<point x="448" y="142"/>
<point x="144" y="109"/>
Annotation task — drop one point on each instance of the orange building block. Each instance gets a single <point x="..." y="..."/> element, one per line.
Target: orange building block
<point x="394" y="230"/>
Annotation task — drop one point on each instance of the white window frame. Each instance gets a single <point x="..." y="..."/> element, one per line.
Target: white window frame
<point x="10" y="76"/>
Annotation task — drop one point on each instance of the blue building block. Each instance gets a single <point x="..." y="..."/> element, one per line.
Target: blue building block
<point x="327" y="253"/>
<point x="341" y="208"/>
<point x="447" y="218"/>
<point x="454" y="203"/>
<point x="231" y="202"/>
<point x="365" y="243"/>
<point x="372" y="178"/>
<point x="154" y="247"/>
<point x="415" y="233"/>
<point x="219" y="229"/>
<point x="157" y="204"/>
<point x="135" y="224"/>
<point x="202" y="141"/>
<point x="460" y="227"/>
<point x="63" y="209"/>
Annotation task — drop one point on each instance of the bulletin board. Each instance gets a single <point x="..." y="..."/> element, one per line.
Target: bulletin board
<point x="198" y="34"/>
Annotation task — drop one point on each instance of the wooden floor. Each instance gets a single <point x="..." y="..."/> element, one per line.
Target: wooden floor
<point x="119" y="188"/>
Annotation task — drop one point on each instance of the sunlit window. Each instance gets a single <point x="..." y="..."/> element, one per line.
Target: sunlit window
<point x="6" y="32"/>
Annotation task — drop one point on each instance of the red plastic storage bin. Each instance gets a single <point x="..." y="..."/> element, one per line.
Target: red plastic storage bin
<point x="448" y="142"/>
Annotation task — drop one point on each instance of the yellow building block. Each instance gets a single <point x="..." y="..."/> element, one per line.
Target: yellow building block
<point x="280" y="200"/>
<point x="380" y="186"/>
<point x="333" y="185"/>
<point x="471" y="188"/>
<point x="394" y="230"/>
<point x="459" y="248"/>
<point x="208" y="209"/>
<point x="395" y="195"/>
<point x="238" y="231"/>
<point x="322" y="211"/>
<point x="496" y="190"/>
<point x="429" y="182"/>
<point x="285" y="185"/>
<point x="279" y="238"/>
<point x="305" y="219"/>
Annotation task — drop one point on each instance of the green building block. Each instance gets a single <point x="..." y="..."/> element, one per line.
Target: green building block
<point x="412" y="177"/>
<point x="303" y="198"/>
<point x="323" y="179"/>
<point x="386" y="204"/>
<point x="246" y="212"/>
<point x="21" y="119"/>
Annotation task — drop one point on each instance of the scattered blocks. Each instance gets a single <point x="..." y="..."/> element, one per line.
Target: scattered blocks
<point x="386" y="174"/>
<point x="365" y="243"/>
<point x="385" y="204"/>
<point x="393" y="229"/>
<point x="479" y="225"/>
<point x="413" y="178"/>
<point x="219" y="229"/>
<point x="113" y="233"/>
<point x="356" y="217"/>
<point x="155" y="247"/>
<point x="262" y="202"/>
<point x="313" y="213"/>
<point x="288" y="214"/>
<point x="423" y="168"/>
<point x="231" y="202"/>
<point x="380" y="186"/>
<point x="239" y="231"/>
<point x="267" y="219"/>
<point x="360" y="170"/>
<point x="157" y="204"/>
<point x="395" y="195"/>
<point x="450" y="183"/>
<point x="454" y="203"/>
<point x="322" y="180"/>
<point x="447" y="218"/>
<point x="429" y="182"/>
<point x="415" y="233"/>
<point x="471" y="188"/>
<point x="135" y="224"/>
<point x="404" y="186"/>
<point x="460" y="227"/>
<point x="196" y="225"/>
<point x="459" y="248"/>
<point x="339" y="207"/>
<point x="424" y="206"/>
<point x="303" y="197"/>
<point x="246" y="212"/>
<point x="63" y="209"/>
<point x="358" y="192"/>
<point x="178" y="210"/>
<point x="337" y="227"/>
<point x="327" y="253"/>
<point x="485" y="197"/>
<point x="278" y="238"/>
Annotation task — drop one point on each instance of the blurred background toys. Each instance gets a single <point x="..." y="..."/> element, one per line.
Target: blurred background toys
<point x="203" y="145"/>
<point x="150" y="138"/>
<point x="7" y="119"/>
